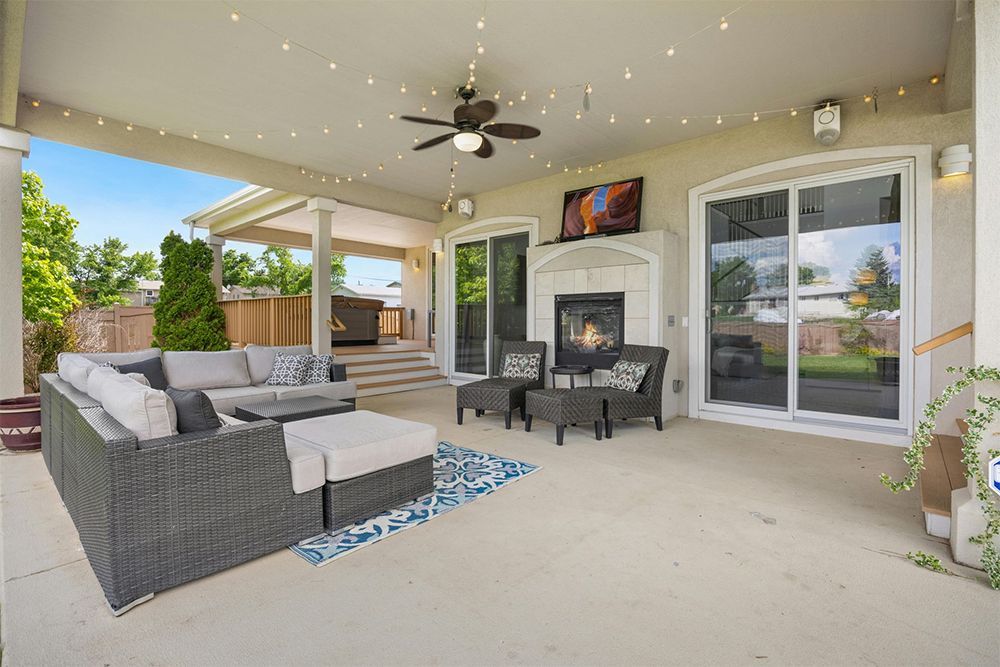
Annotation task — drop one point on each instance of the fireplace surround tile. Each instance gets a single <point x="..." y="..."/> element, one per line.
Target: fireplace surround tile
<point x="594" y="281"/>
<point x="545" y="283"/>
<point x="613" y="279"/>
<point x="636" y="277"/>
<point x="544" y="307"/>
<point x="636" y="330"/>
<point x="637" y="304"/>
<point x="564" y="282"/>
<point x="580" y="281"/>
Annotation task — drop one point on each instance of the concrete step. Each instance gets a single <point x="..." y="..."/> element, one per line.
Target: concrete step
<point x="353" y="357"/>
<point x="393" y="386"/>
<point x="385" y="365"/>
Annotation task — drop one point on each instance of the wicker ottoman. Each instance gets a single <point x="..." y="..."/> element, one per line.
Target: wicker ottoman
<point x="564" y="406"/>
<point x="499" y="394"/>
<point x="373" y="462"/>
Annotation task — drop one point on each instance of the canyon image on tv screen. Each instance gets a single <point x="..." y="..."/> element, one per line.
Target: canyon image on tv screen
<point x="612" y="208"/>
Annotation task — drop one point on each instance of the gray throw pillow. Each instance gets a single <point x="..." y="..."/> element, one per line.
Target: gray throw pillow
<point x="195" y="411"/>
<point x="151" y="368"/>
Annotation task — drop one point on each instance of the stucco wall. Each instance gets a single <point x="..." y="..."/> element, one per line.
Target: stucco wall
<point x="415" y="291"/>
<point x="670" y="171"/>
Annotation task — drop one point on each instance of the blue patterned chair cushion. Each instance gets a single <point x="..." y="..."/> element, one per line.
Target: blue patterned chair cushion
<point x="627" y="375"/>
<point x="526" y="366"/>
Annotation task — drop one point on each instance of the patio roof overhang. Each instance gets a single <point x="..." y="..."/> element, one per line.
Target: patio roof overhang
<point x="258" y="214"/>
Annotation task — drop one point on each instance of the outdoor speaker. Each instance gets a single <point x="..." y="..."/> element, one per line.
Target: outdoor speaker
<point x="826" y="124"/>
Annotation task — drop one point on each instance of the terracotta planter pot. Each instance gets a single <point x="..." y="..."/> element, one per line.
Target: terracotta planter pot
<point x="21" y="423"/>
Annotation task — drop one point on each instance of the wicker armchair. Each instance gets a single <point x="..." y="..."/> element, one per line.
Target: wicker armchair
<point x="647" y="401"/>
<point x="498" y="393"/>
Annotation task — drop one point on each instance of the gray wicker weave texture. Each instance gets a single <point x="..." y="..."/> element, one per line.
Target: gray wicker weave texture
<point x="179" y="508"/>
<point x="647" y="400"/>
<point x="564" y="406"/>
<point x="502" y="394"/>
<point x="292" y="409"/>
<point x="352" y="500"/>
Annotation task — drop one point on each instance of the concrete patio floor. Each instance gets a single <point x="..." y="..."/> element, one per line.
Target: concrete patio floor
<point x="648" y="548"/>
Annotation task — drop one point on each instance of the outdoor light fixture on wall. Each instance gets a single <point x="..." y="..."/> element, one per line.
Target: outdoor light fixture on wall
<point x="415" y="264"/>
<point x="438" y="245"/>
<point x="955" y="160"/>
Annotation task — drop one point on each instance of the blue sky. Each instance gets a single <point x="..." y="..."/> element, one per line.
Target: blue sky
<point x="140" y="202"/>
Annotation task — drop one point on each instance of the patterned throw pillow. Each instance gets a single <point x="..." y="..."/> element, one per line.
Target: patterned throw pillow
<point x="525" y="366"/>
<point x="319" y="369"/>
<point x="627" y="375"/>
<point x="290" y="370"/>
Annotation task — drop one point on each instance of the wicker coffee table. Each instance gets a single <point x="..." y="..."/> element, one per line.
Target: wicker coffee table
<point x="292" y="409"/>
<point x="564" y="406"/>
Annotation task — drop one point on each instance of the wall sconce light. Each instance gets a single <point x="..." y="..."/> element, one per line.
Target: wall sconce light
<point x="955" y="160"/>
<point x="415" y="264"/>
<point x="438" y="245"/>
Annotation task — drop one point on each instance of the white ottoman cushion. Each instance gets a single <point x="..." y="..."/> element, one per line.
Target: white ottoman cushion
<point x="357" y="443"/>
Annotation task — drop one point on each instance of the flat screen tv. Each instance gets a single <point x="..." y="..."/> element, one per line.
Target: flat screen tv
<point x="612" y="208"/>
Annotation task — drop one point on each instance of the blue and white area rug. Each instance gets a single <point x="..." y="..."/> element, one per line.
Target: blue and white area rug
<point x="460" y="476"/>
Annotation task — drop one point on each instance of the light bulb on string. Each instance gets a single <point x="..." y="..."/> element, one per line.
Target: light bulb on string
<point x="648" y="120"/>
<point x="901" y="91"/>
<point x="578" y="114"/>
<point x="544" y="110"/>
<point x="723" y="24"/>
<point x="294" y="134"/>
<point x="868" y="99"/>
<point x="612" y="119"/>
<point x="225" y="136"/>
<point x="349" y="178"/>
<point x="128" y="127"/>
<point x="286" y="45"/>
<point x="336" y="179"/>
<point x="670" y="51"/>
<point x="399" y="156"/>
<point x="402" y="88"/>
<point x="333" y="65"/>
<point x="360" y="124"/>
<point x="510" y="103"/>
<point x="548" y="164"/>
<point x="472" y="66"/>
<point x="66" y="112"/>
<point x="472" y="79"/>
<point x="234" y="16"/>
<point x="194" y="135"/>
<point x="934" y="80"/>
<point x="496" y="95"/>
<point x="260" y="136"/>
<point x="755" y="117"/>
<point x="481" y="23"/>
<point x="434" y="92"/>
<point x="392" y="115"/>
<point x="684" y="121"/>
<point x="100" y="120"/>
<point x="416" y="140"/>
<point x="371" y="80"/>
<point x="552" y="94"/>
<point x="163" y="130"/>
<point x="36" y="103"/>
<point x="718" y="120"/>
<point x="794" y="112"/>
<point x="628" y="74"/>
<point x="480" y="49"/>
<point x="423" y="108"/>
<point x="364" y="174"/>
<point x="326" y="129"/>
<point x="381" y="167"/>
<point x="565" y="169"/>
<point x="524" y="96"/>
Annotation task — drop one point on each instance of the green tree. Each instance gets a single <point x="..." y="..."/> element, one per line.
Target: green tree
<point x="873" y="278"/>
<point x="778" y="275"/>
<point x="470" y="273"/>
<point x="279" y="270"/>
<point x="733" y="279"/>
<point x="105" y="272"/>
<point x="188" y="317"/>
<point x="237" y="268"/>
<point x="49" y="254"/>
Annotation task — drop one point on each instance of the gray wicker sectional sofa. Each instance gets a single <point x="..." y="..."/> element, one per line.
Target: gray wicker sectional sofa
<point x="156" y="513"/>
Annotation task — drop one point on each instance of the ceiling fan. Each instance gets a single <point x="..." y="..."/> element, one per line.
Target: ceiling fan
<point x="470" y="124"/>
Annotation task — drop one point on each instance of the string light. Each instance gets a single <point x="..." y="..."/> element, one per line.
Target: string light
<point x="294" y="134"/>
<point x="260" y="136"/>
<point x="548" y="164"/>
<point x="336" y="179"/>
<point x="399" y="156"/>
<point x="544" y="110"/>
<point x="360" y="124"/>
<point x="286" y="45"/>
<point x="628" y="74"/>
<point x="513" y="142"/>
<point x="552" y="94"/>
<point x="565" y="169"/>
<point x="163" y="130"/>
<point x="524" y="96"/>
<point x="588" y="89"/>
<point x="472" y="66"/>
<point x="579" y="170"/>
<point x="194" y="135"/>
<point x="225" y="135"/>
<point x="612" y="119"/>
<point x="755" y="117"/>
<point x="723" y="24"/>
<point x="901" y="91"/>
<point x="718" y="120"/>
<point x="333" y="65"/>
<point x="496" y="95"/>
<point x="648" y="120"/>
<point x="510" y="103"/>
<point x="323" y="179"/>
<point x="434" y="91"/>
<point x="402" y="88"/>
<point x="364" y="174"/>
<point x="392" y="115"/>
<point x="423" y="108"/>
<point x="66" y="112"/>
<point x="100" y="120"/>
<point x="234" y="16"/>
<point x="481" y="23"/>
<point x="684" y="121"/>
<point x="480" y="49"/>
<point x="371" y="80"/>
<point x="935" y="80"/>
<point x="128" y="127"/>
<point x="794" y="112"/>
<point x="868" y="99"/>
<point x="532" y="156"/>
<point x="302" y="170"/>
<point x="381" y="167"/>
<point x="326" y="129"/>
<point x="670" y="51"/>
<point x="578" y="114"/>
<point x="36" y="103"/>
<point x="416" y="140"/>
<point x="349" y="178"/>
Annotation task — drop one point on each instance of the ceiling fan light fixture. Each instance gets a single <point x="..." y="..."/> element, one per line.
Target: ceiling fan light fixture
<point x="467" y="141"/>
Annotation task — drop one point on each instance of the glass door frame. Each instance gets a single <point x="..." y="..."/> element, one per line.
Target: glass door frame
<point x="454" y="376"/>
<point x="791" y="413"/>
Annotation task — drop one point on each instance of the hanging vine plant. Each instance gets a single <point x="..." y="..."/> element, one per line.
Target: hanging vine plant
<point x="978" y="420"/>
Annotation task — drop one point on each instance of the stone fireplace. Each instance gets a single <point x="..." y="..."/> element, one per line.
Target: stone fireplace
<point x="589" y="328"/>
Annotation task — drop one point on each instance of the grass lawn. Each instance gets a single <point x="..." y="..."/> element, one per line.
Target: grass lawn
<point x="832" y="366"/>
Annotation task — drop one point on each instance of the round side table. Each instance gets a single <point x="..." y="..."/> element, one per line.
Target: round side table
<point x="572" y="372"/>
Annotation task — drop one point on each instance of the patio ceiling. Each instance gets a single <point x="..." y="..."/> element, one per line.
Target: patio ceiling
<point x="264" y="215"/>
<point x="187" y="67"/>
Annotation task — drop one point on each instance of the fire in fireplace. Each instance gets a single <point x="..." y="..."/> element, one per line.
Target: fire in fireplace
<point x="589" y="328"/>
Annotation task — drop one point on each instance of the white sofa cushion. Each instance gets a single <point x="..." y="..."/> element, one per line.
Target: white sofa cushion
<point x="206" y="370"/>
<point x="307" y="466"/>
<point x="260" y="359"/>
<point x="338" y="391"/>
<point x="75" y="369"/>
<point x="99" y="376"/>
<point x="225" y="399"/>
<point x="122" y="358"/>
<point x="357" y="443"/>
<point x="147" y="412"/>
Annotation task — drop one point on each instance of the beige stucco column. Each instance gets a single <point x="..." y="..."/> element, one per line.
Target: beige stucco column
<point x="323" y="209"/>
<point x="966" y="516"/>
<point x="13" y="146"/>
<point x="216" y="243"/>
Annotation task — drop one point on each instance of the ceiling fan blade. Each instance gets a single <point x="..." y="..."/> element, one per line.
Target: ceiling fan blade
<point x="486" y="149"/>
<point x="427" y="121"/>
<point x="479" y="112"/>
<point x="512" y="131"/>
<point x="434" y="142"/>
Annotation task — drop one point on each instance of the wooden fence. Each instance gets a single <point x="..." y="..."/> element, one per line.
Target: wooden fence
<point x="127" y="328"/>
<point x="814" y="337"/>
<point x="285" y="320"/>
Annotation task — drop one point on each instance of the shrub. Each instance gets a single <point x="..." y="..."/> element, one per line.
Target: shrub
<point x="188" y="317"/>
<point x="80" y="331"/>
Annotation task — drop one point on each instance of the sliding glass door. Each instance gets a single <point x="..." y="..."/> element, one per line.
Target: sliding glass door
<point x="806" y="299"/>
<point x="490" y="288"/>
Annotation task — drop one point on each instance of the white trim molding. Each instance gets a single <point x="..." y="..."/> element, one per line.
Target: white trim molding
<point x="919" y="157"/>
<point x="17" y="140"/>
